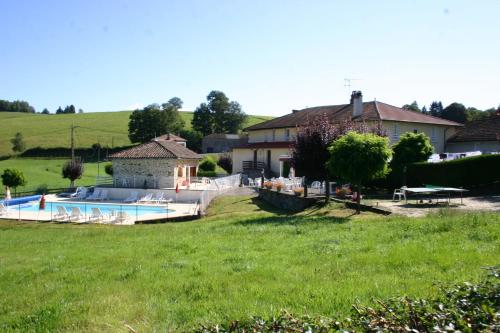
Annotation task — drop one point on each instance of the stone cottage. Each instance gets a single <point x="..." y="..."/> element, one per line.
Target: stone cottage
<point x="164" y="162"/>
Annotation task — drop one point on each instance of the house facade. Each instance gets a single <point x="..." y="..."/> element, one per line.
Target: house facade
<point x="164" y="162"/>
<point x="222" y="143"/>
<point x="480" y="135"/>
<point x="269" y="143"/>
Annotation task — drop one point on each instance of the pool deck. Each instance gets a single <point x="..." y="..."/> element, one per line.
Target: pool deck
<point x="176" y="210"/>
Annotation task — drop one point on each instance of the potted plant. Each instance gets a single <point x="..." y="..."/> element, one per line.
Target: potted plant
<point x="298" y="191"/>
<point x="268" y="185"/>
<point x="279" y="186"/>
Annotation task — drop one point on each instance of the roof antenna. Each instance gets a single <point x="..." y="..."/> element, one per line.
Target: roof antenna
<point x="347" y="82"/>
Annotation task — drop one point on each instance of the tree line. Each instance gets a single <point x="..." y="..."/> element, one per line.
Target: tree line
<point x="217" y="115"/>
<point x="455" y="111"/>
<point x="23" y="106"/>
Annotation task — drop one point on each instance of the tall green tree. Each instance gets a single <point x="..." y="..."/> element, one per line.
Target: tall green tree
<point x="13" y="178"/>
<point x="412" y="107"/>
<point x="18" y="144"/>
<point x="155" y="120"/>
<point x="455" y="112"/>
<point x="436" y="109"/>
<point x="218" y="115"/>
<point x="358" y="158"/>
<point x="45" y="111"/>
<point x="411" y="148"/>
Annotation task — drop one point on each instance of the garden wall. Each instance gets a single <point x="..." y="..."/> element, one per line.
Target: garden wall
<point x="285" y="201"/>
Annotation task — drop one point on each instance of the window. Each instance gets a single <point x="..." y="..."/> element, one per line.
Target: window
<point x="180" y="171"/>
<point x="287" y="134"/>
<point x="395" y="133"/>
<point x="274" y="135"/>
<point x="433" y="135"/>
<point x="415" y="131"/>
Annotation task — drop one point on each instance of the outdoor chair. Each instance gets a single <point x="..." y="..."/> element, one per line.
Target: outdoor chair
<point x="400" y="193"/>
<point x="121" y="217"/>
<point x="62" y="214"/>
<point x="76" y="214"/>
<point x="147" y="198"/>
<point x="97" y="215"/>
<point x="3" y="210"/>
<point x="132" y="197"/>
<point x="103" y="196"/>
<point x="81" y="194"/>
<point x="95" y="195"/>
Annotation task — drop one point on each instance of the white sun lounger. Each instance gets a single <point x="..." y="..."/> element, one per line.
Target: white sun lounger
<point x="95" y="195"/>
<point x="97" y="215"/>
<point x="104" y="195"/>
<point x="81" y="193"/>
<point x="62" y="214"/>
<point x="147" y="198"/>
<point x="76" y="214"/>
<point x="3" y="210"/>
<point x="121" y="217"/>
<point x="132" y="197"/>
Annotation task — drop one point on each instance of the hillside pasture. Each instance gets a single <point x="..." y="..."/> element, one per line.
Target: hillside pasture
<point x="50" y="131"/>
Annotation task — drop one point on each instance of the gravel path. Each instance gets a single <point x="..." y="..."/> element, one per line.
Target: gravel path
<point x="486" y="203"/>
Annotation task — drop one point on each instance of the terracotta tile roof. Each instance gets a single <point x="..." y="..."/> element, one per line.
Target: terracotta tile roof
<point x="480" y="130"/>
<point x="256" y="145"/>
<point x="170" y="137"/>
<point x="371" y="111"/>
<point x="157" y="149"/>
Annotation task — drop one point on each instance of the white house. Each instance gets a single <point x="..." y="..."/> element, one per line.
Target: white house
<point x="269" y="142"/>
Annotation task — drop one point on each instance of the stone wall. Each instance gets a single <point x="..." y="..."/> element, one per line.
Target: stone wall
<point x="150" y="173"/>
<point x="288" y="202"/>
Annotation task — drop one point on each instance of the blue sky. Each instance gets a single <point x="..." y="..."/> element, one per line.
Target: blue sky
<point x="271" y="56"/>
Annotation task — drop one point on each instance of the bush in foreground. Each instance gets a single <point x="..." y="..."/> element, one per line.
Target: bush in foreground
<point x="464" y="307"/>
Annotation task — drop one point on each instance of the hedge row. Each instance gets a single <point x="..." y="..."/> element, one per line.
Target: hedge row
<point x="85" y="153"/>
<point x="470" y="171"/>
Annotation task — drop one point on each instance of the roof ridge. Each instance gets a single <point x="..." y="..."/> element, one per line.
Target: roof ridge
<point x="423" y="114"/>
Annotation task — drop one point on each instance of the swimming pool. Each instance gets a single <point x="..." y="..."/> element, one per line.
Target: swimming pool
<point x="86" y="208"/>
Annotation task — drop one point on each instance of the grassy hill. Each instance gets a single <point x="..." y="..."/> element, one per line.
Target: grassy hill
<point x="49" y="131"/>
<point x="244" y="259"/>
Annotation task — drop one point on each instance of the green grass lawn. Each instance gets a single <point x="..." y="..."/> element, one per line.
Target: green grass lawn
<point x="48" y="172"/>
<point x="49" y="131"/>
<point x="243" y="259"/>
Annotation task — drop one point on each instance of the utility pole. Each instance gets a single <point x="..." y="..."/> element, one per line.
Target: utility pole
<point x="73" y="142"/>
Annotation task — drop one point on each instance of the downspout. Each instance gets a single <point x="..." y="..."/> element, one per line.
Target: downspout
<point x="444" y="139"/>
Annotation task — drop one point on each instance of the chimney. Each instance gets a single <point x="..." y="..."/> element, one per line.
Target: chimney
<point x="357" y="103"/>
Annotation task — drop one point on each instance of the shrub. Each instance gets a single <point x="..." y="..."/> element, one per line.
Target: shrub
<point x="108" y="168"/>
<point x="470" y="171"/>
<point x="73" y="170"/>
<point x="42" y="189"/>
<point x="207" y="164"/>
<point x="226" y="162"/>
<point x="464" y="307"/>
<point x="202" y="173"/>
<point x="298" y="191"/>
<point x="268" y="185"/>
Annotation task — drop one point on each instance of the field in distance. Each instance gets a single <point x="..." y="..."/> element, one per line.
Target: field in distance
<point x="49" y="131"/>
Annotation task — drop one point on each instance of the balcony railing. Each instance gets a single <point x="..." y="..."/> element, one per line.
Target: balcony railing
<point x="253" y="165"/>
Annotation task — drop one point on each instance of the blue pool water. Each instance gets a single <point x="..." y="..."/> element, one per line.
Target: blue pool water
<point x="86" y="208"/>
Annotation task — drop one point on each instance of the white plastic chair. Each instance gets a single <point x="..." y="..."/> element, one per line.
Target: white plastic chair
<point x="76" y="214"/>
<point x="96" y="216"/>
<point x="62" y="214"/>
<point x="400" y="193"/>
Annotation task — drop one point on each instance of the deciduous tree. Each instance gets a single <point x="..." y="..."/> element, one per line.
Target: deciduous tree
<point x="357" y="158"/>
<point x="218" y="115"/>
<point x="13" y="178"/>
<point x="455" y="112"/>
<point x="18" y="144"/>
<point x="73" y="170"/>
